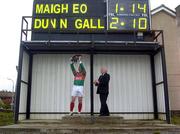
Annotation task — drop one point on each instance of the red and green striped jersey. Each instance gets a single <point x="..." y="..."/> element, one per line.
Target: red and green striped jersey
<point x="79" y="77"/>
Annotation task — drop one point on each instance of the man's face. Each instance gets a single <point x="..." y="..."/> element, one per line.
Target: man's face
<point x="102" y="70"/>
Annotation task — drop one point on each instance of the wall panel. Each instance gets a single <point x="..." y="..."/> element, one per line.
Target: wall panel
<point x="24" y="87"/>
<point x="52" y="81"/>
<point x="159" y="87"/>
<point x="130" y="84"/>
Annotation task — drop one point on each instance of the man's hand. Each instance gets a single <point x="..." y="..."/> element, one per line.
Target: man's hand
<point x="96" y="82"/>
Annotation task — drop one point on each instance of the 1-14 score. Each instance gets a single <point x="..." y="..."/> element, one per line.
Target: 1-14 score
<point x="135" y="8"/>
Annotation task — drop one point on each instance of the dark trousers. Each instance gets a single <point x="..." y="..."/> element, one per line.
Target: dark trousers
<point x="104" y="111"/>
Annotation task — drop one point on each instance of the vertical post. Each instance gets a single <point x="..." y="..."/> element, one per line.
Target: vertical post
<point x="166" y="94"/>
<point x="18" y="82"/>
<point x="29" y="87"/>
<point x="18" y="86"/>
<point x="91" y="84"/>
<point x="154" y="87"/>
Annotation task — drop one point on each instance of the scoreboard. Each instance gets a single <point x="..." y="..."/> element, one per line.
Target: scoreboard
<point x="90" y="15"/>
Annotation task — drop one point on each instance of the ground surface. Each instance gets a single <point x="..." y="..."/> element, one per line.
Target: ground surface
<point x="58" y="128"/>
<point x="89" y="125"/>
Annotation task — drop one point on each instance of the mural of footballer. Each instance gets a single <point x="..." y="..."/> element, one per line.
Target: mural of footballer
<point x="78" y="85"/>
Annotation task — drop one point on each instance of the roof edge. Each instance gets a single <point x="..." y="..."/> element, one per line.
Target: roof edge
<point x="163" y="8"/>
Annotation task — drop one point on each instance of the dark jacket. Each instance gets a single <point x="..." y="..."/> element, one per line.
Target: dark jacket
<point x="103" y="86"/>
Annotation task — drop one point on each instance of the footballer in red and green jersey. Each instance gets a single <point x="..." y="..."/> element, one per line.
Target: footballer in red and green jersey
<point x="80" y="75"/>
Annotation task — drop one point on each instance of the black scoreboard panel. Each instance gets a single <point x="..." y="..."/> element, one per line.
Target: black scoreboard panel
<point x="88" y="16"/>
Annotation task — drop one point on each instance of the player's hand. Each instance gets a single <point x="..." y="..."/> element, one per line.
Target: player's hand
<point x="71" y="60"/>
<point x="80" y="58"/>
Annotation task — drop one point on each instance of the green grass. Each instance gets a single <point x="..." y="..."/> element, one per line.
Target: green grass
<point x="176" y="120"/>
<point x="6" y="118"/>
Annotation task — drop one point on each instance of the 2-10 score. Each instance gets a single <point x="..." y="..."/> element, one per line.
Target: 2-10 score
<point x="135" y="23"/>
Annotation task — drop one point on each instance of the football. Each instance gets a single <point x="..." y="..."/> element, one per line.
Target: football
<point x="75" y="58"/>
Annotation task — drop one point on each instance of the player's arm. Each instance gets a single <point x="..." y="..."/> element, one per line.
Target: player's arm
<point x="82" y="68"/>
<point x="73" y="69"/>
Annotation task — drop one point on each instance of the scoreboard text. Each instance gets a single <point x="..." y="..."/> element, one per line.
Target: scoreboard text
<point x="90" y="15"/>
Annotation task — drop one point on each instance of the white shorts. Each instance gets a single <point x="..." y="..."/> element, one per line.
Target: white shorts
<point x="77" y="91"/>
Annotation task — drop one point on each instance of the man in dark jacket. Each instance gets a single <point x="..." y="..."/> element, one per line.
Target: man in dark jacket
<point x="103" y="90"/>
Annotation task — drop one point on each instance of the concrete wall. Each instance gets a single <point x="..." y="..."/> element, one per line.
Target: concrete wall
<point x="168" y="23"/>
